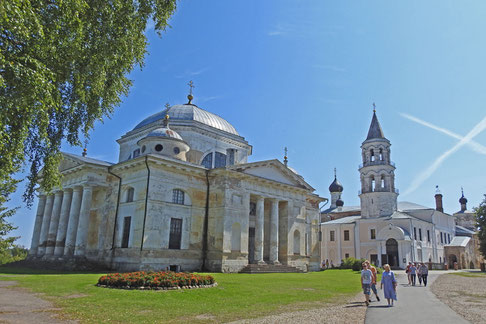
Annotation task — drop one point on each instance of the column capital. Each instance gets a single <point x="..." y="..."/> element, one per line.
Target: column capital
<point x="77" y="188"/>
<point x="58" y="193"/>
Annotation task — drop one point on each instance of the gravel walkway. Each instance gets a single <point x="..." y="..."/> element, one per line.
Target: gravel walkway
<point x="352" y="310"/>
<point x="19" y="306"/>
<point x="465" y="295"/>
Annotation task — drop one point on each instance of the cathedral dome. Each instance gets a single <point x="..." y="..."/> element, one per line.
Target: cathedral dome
<point x="191" y="113"/>
<point x="336" y="186"/>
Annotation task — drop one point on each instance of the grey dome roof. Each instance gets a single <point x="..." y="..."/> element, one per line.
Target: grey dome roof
<point x="336" y="186"/>
<point x="164" y="132"/>
<point x="190" y="112"/>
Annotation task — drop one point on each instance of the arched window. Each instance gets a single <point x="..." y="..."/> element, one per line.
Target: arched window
<point x="381" y="154"/>
<point x="382" y="182"/>
<point x="297" y="242"/>
<point x="372" y="155"/>
<point x="207" y="162"/>
<point x="236" y="237"/>
<point x="219" y="160"/>
<point x="136" y="153"/>
<point x="130" y="194"/>
<point x="178" y="196"/>
<point x="373" y="184"/>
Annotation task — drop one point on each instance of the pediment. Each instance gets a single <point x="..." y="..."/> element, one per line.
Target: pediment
<point x="273" y="170"/>
<point x="68" y="163"/>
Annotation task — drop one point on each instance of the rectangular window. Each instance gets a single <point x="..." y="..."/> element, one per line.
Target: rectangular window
<point x="331" y="236"/>
<point x="374" y="259"/>
<point x="346" y="256"/>
<point x="420" y="234"/>
<point x="449" y="238"/>
<point x="441" y="238"/>
<point x="126" y="232"/>
<point x="415" y="233"/>
<point x="175" y="233"/>
<point x="219" y="160"/>
<point x="178" y="196"/>
<point x="373" y="234"/>
<point x="346" y="235"/>
<point x="136" y="153"/>
<point x="428" y="235"/>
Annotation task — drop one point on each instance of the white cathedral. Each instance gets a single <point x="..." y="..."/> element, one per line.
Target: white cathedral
<point x="181" y="196"/>
<point x="383" y="230"/>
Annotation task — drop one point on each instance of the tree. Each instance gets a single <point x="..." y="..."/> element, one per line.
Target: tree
<point x="481" y="223"/>
<point x="64" y="65"/>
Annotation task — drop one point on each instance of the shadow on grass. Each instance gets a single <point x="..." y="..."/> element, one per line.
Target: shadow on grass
<point x="5" y="269"/>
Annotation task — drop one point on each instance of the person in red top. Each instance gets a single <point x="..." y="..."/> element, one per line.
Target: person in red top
<point x="373" y="279"/>
<point x="407" y="271"/>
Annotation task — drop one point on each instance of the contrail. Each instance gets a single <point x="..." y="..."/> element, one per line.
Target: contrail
<point x="474" y="145"/>
<point x="431" y="169"/>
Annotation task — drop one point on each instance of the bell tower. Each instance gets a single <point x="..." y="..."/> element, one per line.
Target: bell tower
<point x="377" y="173"/>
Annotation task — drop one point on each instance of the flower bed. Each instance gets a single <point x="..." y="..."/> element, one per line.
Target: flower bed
<point x="163" y="280"/>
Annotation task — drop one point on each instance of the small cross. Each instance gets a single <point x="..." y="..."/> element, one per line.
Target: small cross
<point x="191" y="86"/>
<point x="334" y="172"/>
<point x="286" y="151"/>
<point x="167" y="105"/>
<point x="374" y="107"/>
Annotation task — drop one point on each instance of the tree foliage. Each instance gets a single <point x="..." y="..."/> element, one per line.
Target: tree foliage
<point x="63" y="66"/>
<point x="481" y="223"/>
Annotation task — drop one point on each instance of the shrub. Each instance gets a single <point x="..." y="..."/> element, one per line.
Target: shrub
<point x="352" y="263"/>
<point x="161" y="279"/>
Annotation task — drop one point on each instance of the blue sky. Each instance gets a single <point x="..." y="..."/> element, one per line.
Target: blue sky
<point x="304" y="74"/>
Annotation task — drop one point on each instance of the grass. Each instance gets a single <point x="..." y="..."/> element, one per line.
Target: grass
<point x="237" y="296"/>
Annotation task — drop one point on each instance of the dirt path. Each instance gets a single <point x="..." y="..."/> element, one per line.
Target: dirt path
<point x="18" y="305"/>
<point x="465" y="295"/>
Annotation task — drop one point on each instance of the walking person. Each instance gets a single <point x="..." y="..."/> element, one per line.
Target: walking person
<point x="407" y="271"/>
<point x="366" y="279"/>
<point x="424" y="272"/>
<point x="373" y="280"/>
<point x="419" y="276"/>
<point x="389" y="285"/>
<point x="413" y="273"/>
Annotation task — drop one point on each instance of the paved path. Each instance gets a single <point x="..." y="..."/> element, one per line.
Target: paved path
<point x="19" y="306"/>
<point x="415" y="303"/>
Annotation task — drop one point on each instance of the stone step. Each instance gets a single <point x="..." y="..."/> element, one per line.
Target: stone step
<point x="270" y="268"/>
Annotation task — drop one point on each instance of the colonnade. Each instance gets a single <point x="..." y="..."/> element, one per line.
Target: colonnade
<point x="259" y="230"/>
<point x="61" y="223"/>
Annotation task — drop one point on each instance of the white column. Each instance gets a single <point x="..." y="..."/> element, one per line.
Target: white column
<point x="82" y="234"/>
<point x="63" y="222"/>
<point x="274" y="232"/>
<point x="259" y="230"/>
<point x="72" y="228"/>
<point x="46" y="218"/>
<point x="56" y="212"/>
<point x="37" y="225"/>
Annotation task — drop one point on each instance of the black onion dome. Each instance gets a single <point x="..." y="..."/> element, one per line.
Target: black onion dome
<point x="339" y="203"/>
<point x="463" y="200"/>
<point x="336" y="186"/>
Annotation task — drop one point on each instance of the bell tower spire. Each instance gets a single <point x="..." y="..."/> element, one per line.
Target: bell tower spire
<point x="378" y="194"/>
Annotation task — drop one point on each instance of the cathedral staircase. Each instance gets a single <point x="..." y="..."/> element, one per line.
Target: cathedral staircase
<point x="270" y="268"/>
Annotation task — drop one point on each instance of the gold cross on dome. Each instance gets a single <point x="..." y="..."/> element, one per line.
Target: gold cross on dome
<point x="191" y="86"/>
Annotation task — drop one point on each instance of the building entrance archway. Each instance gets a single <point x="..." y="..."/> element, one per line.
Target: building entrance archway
<point x="392" y="253"/>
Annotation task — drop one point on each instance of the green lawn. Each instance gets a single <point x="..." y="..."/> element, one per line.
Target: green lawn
<point x="237" y="296"/>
